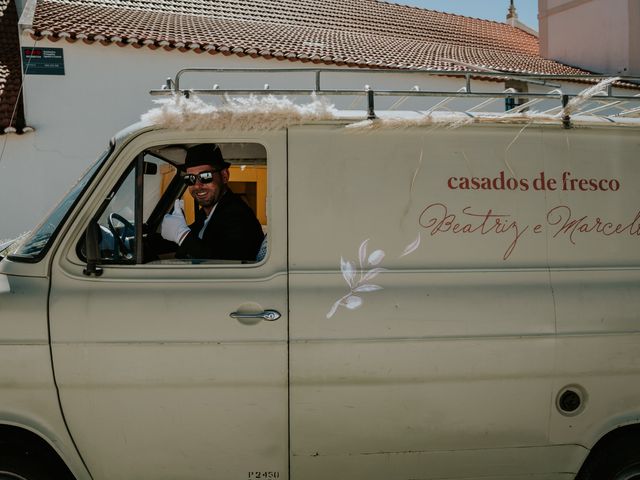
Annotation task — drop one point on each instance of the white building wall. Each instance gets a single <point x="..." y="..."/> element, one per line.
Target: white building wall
<point x="105" y="88"/>
<point x="602" y="36"/>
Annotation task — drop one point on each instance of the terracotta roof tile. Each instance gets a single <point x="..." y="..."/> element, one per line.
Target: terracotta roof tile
<point x="11" y="108"/>
<point x="364" y="33"/>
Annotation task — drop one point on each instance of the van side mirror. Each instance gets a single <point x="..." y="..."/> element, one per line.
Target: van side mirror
<point x="91" y="241"/>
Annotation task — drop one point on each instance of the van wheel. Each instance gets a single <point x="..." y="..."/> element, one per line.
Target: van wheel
<point x="25" y="465"/>
<point x="617" y="460"/>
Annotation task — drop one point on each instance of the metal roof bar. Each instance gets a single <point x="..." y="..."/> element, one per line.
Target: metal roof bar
<point x="173" y="85"/>
<point x="384" y="93"/>
<point x="608" y="99"/>
<point x="456" y="73"/>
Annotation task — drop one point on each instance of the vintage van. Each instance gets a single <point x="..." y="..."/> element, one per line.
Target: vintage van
<point x="442" y="296"/>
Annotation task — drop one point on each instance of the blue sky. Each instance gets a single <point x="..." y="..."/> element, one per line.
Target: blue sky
<point x="487" y="9"/>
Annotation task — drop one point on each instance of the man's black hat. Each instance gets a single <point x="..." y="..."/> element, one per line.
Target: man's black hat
<point x="205" y="154"/>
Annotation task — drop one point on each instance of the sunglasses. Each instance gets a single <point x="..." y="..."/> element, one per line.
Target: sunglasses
<point x="190" y="179"/>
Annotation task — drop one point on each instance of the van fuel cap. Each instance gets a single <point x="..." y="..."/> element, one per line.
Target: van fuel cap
<point x="571" y="400"/>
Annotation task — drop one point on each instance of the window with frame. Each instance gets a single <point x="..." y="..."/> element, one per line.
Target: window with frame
<point x="137" y="222"/>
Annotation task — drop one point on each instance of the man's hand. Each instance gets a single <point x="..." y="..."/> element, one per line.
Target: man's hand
<point x="174" y="225"/>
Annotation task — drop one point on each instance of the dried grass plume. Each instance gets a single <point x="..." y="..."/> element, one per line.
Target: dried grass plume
<point x="236" y="113"/>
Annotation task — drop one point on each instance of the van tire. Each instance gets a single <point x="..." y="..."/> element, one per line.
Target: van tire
<point x="617" y="459"/>
<point x="16" y="468"/>
<point x="29" y="464"/>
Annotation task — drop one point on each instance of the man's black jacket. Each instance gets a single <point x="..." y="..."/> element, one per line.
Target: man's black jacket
<point x="233" y="233"/>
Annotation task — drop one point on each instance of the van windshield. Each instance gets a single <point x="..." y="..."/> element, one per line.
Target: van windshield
<point x="37" y="242"/>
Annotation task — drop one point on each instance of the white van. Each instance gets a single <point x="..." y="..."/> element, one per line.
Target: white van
<point x="442" y="296"/>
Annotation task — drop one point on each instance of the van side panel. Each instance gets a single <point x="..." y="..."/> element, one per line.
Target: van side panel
<point x="29" y="399"/>
<point x="424" y="307"/>
<point x="598" y="350"/>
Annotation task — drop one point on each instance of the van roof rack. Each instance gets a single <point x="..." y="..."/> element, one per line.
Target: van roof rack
<point x="599" y="92"/>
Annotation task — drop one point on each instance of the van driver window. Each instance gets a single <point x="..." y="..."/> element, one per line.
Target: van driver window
<point x="202" y="203"/>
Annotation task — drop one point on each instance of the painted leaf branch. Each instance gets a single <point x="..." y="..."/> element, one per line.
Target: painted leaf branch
<point x="368" y="271"/>
<point x="412" y="247"/>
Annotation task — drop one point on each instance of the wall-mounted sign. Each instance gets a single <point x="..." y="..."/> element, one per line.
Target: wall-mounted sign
<point x="42" y="61"/>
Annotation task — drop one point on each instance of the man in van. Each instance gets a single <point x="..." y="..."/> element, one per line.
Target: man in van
<point x="225" y="227"/>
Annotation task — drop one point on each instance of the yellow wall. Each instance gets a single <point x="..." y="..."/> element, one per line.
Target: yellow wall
<point x="251" y="181"/>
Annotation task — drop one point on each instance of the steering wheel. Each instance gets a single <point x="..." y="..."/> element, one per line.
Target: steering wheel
<point x="120" y="238"/>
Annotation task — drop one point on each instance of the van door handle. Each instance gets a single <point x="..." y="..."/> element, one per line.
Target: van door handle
<point x="268" y="315"/>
